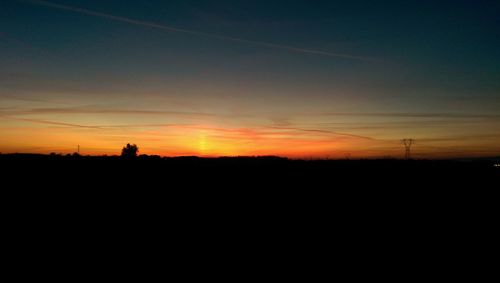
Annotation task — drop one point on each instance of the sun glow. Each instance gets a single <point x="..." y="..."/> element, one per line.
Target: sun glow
<point x="202" y="142"/>
<point x="187" y="137"/>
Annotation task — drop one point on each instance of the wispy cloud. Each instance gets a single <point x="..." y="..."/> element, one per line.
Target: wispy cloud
<point x="322" y="132"/>
<point x="407" y="115"/>
<point x="394" y="125"/>
<point x="193" y="32"/>
<point x="98" y="110"/>
<point x="101" y="127"/>
<point x="37" y="100"/>
<point x="257" y="132"/>
<point x="39" y="121"/>
<point x="461" y="138"/>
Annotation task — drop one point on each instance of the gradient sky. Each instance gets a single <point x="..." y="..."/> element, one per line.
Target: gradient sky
<point x="291" y="78"/>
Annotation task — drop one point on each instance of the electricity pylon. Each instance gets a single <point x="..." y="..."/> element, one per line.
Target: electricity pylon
<point x="408" y="143"/>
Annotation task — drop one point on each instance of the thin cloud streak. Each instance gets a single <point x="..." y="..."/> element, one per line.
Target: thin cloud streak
<point x="39" y="121"/>
<point x="193" y="32"/>
<point x="322" y="131"/>
<point x="460" y="138"/>
<point x="100" y="127"/>
<point x="88" y="110"/>
<point x="408" y="115"/>
<point x="16" y="98"/>
<point x="259" y="131"/>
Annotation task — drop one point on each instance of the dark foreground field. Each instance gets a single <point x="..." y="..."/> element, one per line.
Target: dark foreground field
<point x="251" y="206"/>
<point x="239" y="172"/>
<point x="252" y="184"/>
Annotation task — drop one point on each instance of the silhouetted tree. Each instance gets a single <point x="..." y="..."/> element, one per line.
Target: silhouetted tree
<point x="130" y="150"/>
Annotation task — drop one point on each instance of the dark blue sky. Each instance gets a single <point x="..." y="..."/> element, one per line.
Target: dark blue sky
<point x="409" y="56"/>
<point x="451" y="45"/>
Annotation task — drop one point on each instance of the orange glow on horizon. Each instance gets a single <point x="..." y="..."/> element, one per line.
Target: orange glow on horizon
<point x="205" y="141"/>
<point x="299" y="81"/>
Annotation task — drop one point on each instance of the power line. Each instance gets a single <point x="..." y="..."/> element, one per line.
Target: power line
<point x="408" y="143"/>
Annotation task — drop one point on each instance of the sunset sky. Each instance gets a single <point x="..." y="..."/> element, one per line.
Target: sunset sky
<point x="302" y="79"/>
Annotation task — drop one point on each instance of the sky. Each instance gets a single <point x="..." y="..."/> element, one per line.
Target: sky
<point x="301" y="79"/>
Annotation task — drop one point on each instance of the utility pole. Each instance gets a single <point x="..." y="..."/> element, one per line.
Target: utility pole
<point x="78" y="150"/>
<point x="408" y="143"/>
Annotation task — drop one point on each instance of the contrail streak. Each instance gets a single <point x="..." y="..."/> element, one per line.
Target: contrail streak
<point x="39" y="121"/>
<point x="192" y="32"/>
<point x="322" y="131"/>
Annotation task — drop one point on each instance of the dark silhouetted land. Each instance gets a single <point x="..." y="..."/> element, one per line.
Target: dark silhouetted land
<point x="259" y="172"/>
<point x="351" y="204"/>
